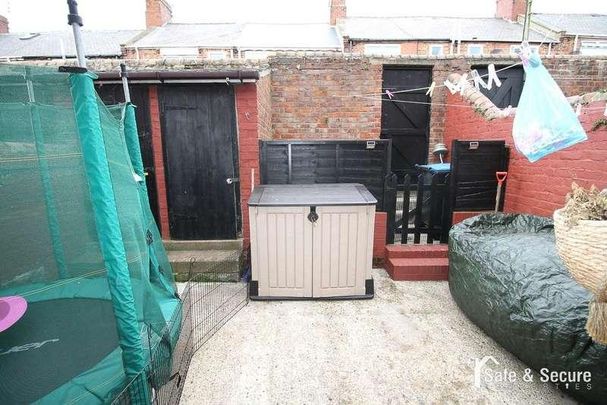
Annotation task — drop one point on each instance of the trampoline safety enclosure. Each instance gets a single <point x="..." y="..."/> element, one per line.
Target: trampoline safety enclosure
<point x="79" y="243"/>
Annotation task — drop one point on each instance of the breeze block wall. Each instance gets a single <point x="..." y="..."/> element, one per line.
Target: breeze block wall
<point x="537" y="188"/>
<point x="323" y="98"/>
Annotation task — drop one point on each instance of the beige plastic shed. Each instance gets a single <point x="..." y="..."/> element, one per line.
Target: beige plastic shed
<point x="311" y="241"/>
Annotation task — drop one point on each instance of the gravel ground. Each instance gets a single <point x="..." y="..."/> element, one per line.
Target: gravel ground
<point x="410" y="344"/>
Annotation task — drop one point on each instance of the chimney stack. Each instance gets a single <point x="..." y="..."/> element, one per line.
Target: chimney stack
<point x="3" y="25"/>
<point x="337" y="11"/>
<point x="510" y="9"/>
<point x="157" y="13"/>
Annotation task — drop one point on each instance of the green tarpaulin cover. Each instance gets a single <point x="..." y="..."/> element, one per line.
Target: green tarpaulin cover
<point x="506" y="276"/>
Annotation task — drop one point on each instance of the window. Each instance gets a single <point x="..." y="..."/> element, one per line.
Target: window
<point x="516" y="49"/>
<point x="216" y="55"/>
<point x="475" y="50"/>
<point x="435" y="50"/>
<point x="382" y="49"/>
<point x="179" y="52"/>
<point x="593" y="48"/>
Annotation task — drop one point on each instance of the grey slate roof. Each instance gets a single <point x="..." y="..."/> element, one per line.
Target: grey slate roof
<point x="245" y="36"/>
<point x="220" y="35"/>
<point x="574" y="24"/>
<point x="289" y="36"/>
<point x="436" y="28"/>
<point x="49" y="44"/>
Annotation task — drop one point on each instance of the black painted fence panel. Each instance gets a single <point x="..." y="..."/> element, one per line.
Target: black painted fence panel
<point x="305" y="162"/>
<point x="473" y="167"/>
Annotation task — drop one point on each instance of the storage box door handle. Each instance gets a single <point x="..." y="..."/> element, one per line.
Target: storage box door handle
<point x="312" y="216"/>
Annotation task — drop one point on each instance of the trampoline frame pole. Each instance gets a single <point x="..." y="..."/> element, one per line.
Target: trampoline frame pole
<point x="74" y="19"/>
<point x="125" y="83"/>
<point x="109" y="232"/>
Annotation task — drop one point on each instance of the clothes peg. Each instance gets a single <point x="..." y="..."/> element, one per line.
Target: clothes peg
<point x="431" y="89"/>
<point x="463" y="83"/>
<point x="389" y="94"/>
<point x="492" y="77"/>
<point x="578" y="109"/>
<point x="507" y="111"/>
<point x="452" y="87"/>
<point x="478" y="81"/>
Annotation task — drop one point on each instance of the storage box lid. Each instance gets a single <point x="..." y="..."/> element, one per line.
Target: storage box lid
<point x="311" y="194"/>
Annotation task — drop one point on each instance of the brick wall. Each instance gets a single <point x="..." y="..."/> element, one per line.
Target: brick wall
<point x="576" y="75"/>
<point x="157" y="149"/>
<point x="422" y="48"/>
<point x="132" y="53"/>
<point x="247" y="118"/>
<point x="157" y="13"/>
<point x="379" y="235"/>
<point x="537" y="188"/>
<point x="312" y="98"/>
<point x="510" y="9"/>
<point x="205" y="52"/>
<point x="3" y="25"/>
<point x="264" y="106"/>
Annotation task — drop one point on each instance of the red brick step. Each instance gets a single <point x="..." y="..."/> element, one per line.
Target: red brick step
<point x="418" y="268"/>
<point x="416" y="251"/>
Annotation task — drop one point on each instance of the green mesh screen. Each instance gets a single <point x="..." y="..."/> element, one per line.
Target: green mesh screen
<point x="78" y="241"/>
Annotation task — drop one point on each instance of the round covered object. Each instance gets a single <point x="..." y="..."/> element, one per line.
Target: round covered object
<point x="507" y="277"/>
<point x="11" y="310"/>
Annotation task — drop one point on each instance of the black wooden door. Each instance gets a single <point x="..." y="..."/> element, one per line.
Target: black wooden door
<point x="113" y="94"/>
<point x="199" y="135"/>
<point x="405" y="119"/>
<point x="512" y="86"/>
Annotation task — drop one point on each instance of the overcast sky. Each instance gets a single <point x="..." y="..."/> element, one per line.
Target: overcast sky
<point x="48" y="15"/>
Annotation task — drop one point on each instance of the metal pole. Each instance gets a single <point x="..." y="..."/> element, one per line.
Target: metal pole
<point x="125" y="83"/>
<point x="527" y="21"/>
<point x="75" y="21"/>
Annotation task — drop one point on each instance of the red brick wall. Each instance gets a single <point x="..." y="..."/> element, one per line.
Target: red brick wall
<point x="537" y="188"/>
<point x="3" y="25"/>
<point x="264" y="106"/>
<point x="379" y="235"/>
<point x="510" y="9"/>
<point x="157" y="148"/>
<point x="248" y="148"/>
<point x="157" y="13"/>
<point x="422" y="48"/>
<point x="337" y="11"/>
<point x="313" y="98"/>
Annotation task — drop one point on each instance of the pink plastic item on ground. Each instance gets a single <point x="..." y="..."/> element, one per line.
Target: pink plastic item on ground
<point x="11" y="310"/>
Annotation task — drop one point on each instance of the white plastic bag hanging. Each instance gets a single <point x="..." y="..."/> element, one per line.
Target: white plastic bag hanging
<point x="544" y="122"/>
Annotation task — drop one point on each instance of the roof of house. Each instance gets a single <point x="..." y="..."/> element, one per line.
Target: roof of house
<point x="212" y="35"/>
<point x="436" y="28"/>
<point x="247" y="36"/>
<point x="574" y="24"/>
<point x="61" y="43"/>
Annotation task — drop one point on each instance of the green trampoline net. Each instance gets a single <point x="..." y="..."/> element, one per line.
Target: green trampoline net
<point x="79" y="243"/>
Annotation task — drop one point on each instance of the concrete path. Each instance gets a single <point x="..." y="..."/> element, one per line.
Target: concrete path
<point x="411" y="344"/>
